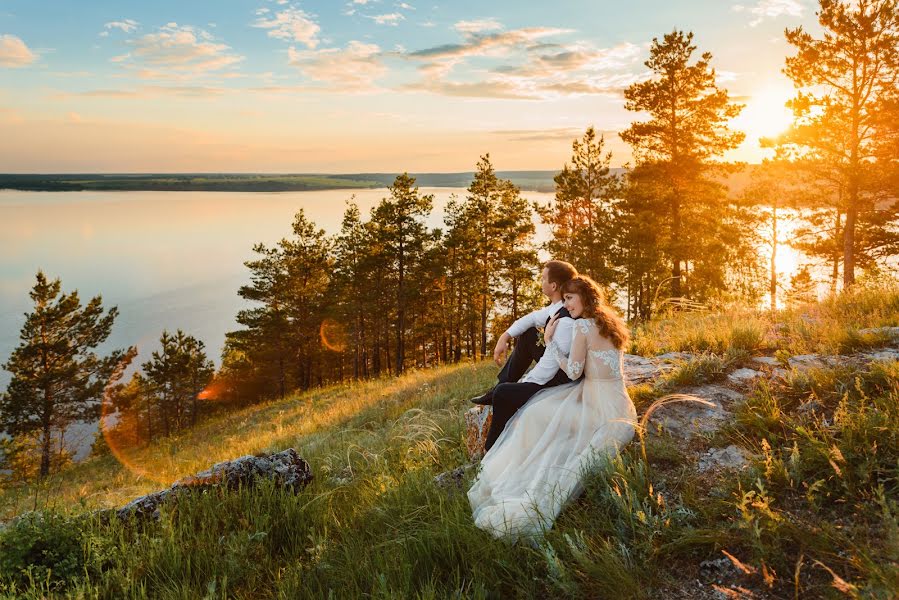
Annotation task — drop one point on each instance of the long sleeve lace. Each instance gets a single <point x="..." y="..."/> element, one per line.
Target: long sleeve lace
<point x="573" y="363"/>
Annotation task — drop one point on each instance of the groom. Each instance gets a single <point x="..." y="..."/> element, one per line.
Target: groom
<point x="513" y="391"/>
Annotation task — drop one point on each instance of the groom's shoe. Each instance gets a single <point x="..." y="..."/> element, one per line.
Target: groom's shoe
<point x="483" y="399"/>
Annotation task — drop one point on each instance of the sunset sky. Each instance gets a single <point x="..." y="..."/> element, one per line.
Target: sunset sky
<point x="356" y="85"/>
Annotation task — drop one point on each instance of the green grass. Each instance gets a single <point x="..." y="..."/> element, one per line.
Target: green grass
<point x="829" y="327"/>
<point x="815" y="516"/>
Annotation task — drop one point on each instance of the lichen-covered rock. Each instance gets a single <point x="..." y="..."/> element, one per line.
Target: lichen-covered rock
<point x="638" y="369"/>
<point x="453" y="479"/>
<point x="732" y="457"/>
<point x="743" y="376"/>
<point x="477" y="424"/>
<point x="287" y="469"/>
<point x="684" y="420"/>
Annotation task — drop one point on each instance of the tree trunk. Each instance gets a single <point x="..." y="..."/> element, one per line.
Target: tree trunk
<point x="773" y="288"/>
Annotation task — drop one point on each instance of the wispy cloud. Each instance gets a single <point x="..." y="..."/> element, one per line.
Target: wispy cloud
<point x="353" y="68"/>
<point x="531" y="68"/>
<point x="405" y="6"/>
<point x="769" y="9"/>
<point x="290" y="24"/>
<point x="542" y="135"/>
<point x="14" y="53"/>
<point x="477" y="26"/>
<point x="177" y="52"/>
<point x="126" y="25"/>
<point x="388" y="19"/>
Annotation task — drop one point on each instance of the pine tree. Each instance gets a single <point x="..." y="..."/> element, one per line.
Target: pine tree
<point x="847" y="77"/>
<point x="582" y="214"/>
<point x="402" y="232"/>
<point x="57" y="378"/>
<point x="674" y="151"/>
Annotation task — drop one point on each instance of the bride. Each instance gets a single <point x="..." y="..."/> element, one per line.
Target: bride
<point x="536" y="464"/>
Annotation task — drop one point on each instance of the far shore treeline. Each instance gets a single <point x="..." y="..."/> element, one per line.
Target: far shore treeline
<point x="386" y="293"/>
<point x="537" y="181"/>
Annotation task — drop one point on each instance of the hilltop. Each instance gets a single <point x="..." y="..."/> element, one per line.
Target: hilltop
<point x="793" y="490"/>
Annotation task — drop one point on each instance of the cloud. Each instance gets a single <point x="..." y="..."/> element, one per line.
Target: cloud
<point x="405" y="6"/>
<point x="126" y="25"/>
<point x="177" y="52"/>
<point x="770" y="9"/>
<point x="532" y="67"/>
<point x="353" y="68"/>
<point x="149" y="91"/>
<point x="541" y="135"/>
<point x="14" y="52"/>
<point x="290" y="24"/>
<point x="477" y="26"/>
<point x="388" y="19"/>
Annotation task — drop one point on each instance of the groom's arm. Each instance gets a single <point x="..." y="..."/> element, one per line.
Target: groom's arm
<point x="534" y="319"/>
<point x="547" y="367"/>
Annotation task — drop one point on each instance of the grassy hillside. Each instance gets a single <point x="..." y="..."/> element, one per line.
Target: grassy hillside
<point x="816" y="514"/>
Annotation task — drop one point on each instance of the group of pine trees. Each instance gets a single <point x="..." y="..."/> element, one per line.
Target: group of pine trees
<point x="386" y="293"/>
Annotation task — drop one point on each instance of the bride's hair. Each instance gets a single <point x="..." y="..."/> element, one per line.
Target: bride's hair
<point x="610" y="324"/>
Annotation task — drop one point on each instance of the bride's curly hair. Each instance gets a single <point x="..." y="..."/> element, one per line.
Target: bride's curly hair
<point x="609" y="322"/>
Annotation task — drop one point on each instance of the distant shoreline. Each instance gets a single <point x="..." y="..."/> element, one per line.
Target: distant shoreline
<point x="537" y="181"/>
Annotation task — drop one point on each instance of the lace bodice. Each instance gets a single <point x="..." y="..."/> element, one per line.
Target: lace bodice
<point x="585" y="358"/>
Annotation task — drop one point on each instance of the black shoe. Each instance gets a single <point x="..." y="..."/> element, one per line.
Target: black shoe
<point x="483" y="400"/>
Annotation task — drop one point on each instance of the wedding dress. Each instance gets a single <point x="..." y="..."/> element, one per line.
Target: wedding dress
<point x="537" y="463"/>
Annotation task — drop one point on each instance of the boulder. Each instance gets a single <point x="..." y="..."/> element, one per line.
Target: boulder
<point x="285" y="468"/>
<point x="731" y="458"/>
<point x="477" y="424"/>
<point x="684" y="420"/>
<point x="743" y="376"/>
<point x="638" y="369"/>
<point x="768" y="361"/>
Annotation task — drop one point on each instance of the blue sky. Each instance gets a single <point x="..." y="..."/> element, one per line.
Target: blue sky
<point x="274" y="85"/>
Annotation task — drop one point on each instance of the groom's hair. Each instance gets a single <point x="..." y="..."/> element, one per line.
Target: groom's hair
<point x="559" y="271"/>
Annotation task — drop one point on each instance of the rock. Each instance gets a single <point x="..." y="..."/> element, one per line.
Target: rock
<point x="453" y="479"/>
<point x="743" y="376"/>
<point x="769" y="361"/>
<point x="732" y="457"/>
<point x="674" y="356"/>
<point x="638" y="369"/>
<point x="804" y="362"/>
<point x="285" y="468"/>
<point x="477" y="424"/>
<point x="887" y="354"/>
<point x="893" y="332"/>
<point x="686" y="419"/>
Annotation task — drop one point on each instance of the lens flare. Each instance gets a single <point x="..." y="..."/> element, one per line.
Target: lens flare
<point x="122" y="444"/>
<point x="333" y="335"/>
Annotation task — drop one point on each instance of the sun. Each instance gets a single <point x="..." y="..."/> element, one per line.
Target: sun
<point x="765" y="114"/>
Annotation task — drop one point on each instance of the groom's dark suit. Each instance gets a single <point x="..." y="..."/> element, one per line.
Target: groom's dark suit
<point x="510" y="394"/>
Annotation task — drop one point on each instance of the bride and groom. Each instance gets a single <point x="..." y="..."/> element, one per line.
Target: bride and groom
<point x="548" y="424"/>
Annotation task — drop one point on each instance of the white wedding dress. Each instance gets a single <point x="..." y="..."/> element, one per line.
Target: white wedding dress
<point x="537" y="463"/>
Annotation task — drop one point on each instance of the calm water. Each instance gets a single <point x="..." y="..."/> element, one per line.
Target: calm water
<point x="166" y="259"/>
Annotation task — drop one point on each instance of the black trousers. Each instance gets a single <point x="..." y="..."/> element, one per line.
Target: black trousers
<point x="509" y="395"/>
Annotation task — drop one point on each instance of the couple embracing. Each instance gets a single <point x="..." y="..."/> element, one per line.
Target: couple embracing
<point x="549" y="423"/>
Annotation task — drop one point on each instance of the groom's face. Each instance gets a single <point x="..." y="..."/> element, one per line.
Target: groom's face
<point x="548" y="288"/>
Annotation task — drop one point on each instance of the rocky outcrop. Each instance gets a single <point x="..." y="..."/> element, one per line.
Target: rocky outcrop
<point x="730" y="458"/>
<point x="685" y="420"/>
<point x="287" y="469"/>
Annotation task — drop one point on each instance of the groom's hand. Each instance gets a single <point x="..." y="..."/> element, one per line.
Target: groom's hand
<point x="502" y="346"/>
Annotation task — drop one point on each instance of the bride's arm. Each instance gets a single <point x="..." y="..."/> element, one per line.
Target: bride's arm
<point x="573" y="364"/>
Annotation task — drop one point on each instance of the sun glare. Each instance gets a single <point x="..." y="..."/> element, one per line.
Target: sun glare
<point x="765" y="114"/>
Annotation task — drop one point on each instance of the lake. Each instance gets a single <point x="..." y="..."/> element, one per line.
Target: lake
<point x="168" y="260"/>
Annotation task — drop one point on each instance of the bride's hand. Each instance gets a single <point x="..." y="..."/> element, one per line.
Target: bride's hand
<point x="550" y="329"/>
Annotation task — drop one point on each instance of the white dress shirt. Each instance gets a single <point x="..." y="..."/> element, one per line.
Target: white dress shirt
<point x="548" y="366"/>
<point x="536" y="319"/>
